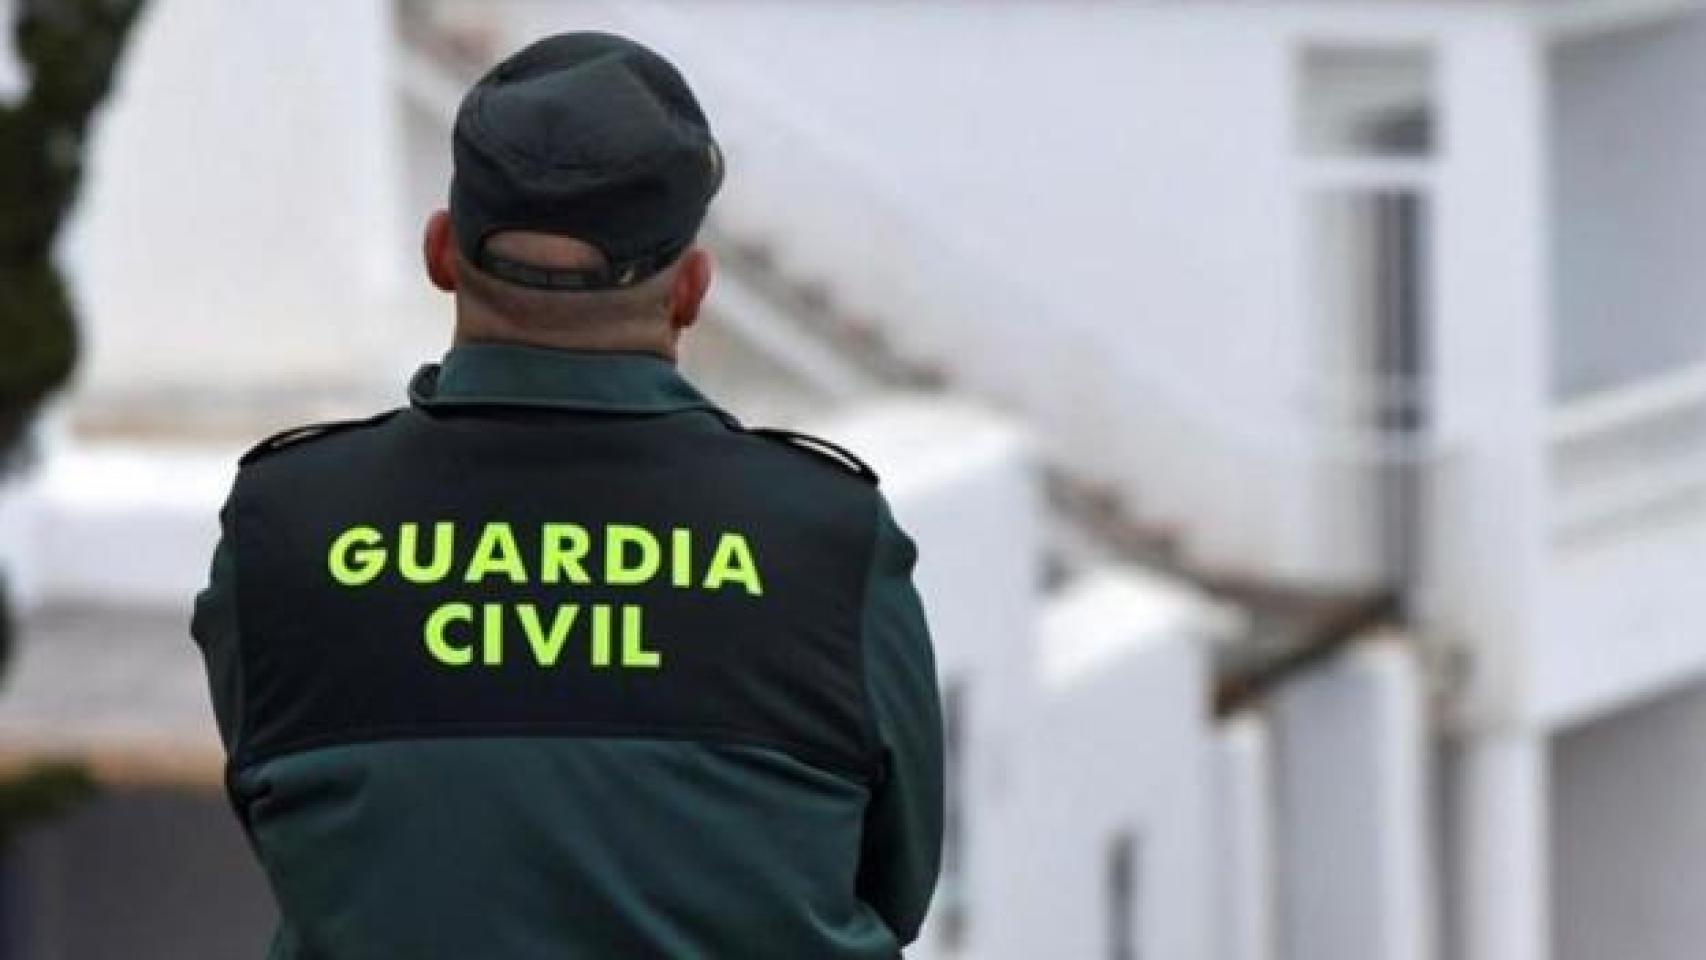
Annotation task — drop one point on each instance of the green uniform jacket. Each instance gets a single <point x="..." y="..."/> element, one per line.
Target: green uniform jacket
<point x="559" y="661"/>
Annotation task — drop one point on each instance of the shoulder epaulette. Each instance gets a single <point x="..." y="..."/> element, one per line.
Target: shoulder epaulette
<point x="308" y="431"/>
<point x="821" y="448"/>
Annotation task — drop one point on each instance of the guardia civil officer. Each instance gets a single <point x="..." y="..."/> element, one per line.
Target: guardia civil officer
<point x="559" y="660"/>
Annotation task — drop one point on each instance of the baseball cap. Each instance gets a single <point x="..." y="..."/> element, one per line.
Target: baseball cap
<point x="586" y="135"/>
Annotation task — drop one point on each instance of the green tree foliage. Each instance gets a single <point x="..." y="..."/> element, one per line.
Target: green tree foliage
<point x="69" y="50"/>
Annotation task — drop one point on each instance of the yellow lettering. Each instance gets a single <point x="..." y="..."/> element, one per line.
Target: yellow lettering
<point x="563" y="552"/>
<point x="634" y="652"/>
<point x="356" y="556"/>
<point x="492" y="635"/>
<point x="733" y="563"/>
<point x="408" y="552"/>
<point x="496" y="553"/>
<point x="681" y="557"/>
<point x="601" y="635"/>
<point x="547" y="647"/>
<point x="617" y="571"/>
<point x="440" y="647"/>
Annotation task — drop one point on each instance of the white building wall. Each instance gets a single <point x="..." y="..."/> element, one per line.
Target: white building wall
<point x="1497" y="806"/>
<point x="1628" y="120"/>
<point x="1246" y="923"/>
<point x="1627" y="623"/>
<point x="238" y="225"/>
<point x="1615" y="676"/>
<point x="1064" y="234"/>
<point x="1628" y="836"/>
<point x="1488" y="497"/>
<point x="1628" y="113"/>
<point x="1352" y="775"/>
<point x="1016" y="189"/>
<point x="1118" y="767"/>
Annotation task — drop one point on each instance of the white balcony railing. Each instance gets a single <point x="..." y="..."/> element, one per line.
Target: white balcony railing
<point x="1627" y="530"/>
<point x="1624" y="450"/>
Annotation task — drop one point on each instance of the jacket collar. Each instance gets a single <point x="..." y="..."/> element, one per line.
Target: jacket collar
<point x="492" y="374"/>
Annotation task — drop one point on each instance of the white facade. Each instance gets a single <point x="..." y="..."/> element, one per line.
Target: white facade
<point x="1452" y="352"/>
<point x="1352" y="778"/>
<point x="243" y="183"/>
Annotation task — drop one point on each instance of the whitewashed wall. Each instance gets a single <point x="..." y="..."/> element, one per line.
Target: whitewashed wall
<point x="1098" y="206"/>
<point x="1246" y="896"/>
<point x="1628" y="117"/>
<point x="124" y="524"/>
<point x="1352" y="771"/>
<point x="19" y="535"/>
<point x="1118" y="754"/>
<point x="1623" y="588"/>
<point x="1030" y="161"/>
<point x="1630" y="851"/>
<point x="238" y="227"/>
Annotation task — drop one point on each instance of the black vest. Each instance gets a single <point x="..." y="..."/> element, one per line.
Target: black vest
<point x="510" y="625"/>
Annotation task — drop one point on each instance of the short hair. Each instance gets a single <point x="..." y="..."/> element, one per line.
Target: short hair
<point x="642" y="305"/>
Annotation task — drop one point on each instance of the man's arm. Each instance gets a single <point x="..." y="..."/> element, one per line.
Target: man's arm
<point x="902" y="849"/>
<point x="214" y="627"/>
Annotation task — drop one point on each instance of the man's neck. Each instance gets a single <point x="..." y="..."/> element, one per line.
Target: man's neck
<point x="560" y="340"/>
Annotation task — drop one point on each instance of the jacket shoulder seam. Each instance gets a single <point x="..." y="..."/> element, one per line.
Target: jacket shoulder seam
<point x="304" y="433"/>
<point x="825" y="450"/>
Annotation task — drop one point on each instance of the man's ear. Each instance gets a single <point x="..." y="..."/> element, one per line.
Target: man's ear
<point x="687" y="292"/>
<point x="438" y="252"/>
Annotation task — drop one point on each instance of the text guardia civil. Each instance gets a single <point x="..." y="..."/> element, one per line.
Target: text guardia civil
<point x="462" y="634"/>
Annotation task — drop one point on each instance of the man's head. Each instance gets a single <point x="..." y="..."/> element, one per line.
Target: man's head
<point x="649" y="315"/>
<point x="584" y="168"/>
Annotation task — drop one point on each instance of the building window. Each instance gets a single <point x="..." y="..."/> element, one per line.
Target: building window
<point x="1370" y="250"/>
<point x="1368" y="128"/>
<point x="951" y="891"/>
<point x="1121" y="883"/>
<point x="1367" y="101"/>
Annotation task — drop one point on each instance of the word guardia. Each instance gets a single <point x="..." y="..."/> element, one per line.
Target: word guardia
<point x="569" y="554"/>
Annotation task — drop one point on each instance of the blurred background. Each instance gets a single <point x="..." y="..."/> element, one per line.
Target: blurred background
<point x="1300" y="407"/>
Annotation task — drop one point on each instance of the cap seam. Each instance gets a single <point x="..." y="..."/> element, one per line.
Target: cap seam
<point x="489" y="139"/>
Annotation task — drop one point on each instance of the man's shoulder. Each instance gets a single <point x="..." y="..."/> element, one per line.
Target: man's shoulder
<point x="813" y="453"/>
<point x="805" y="483"/>
<point x="789" y="457"/>
<point x="299" y="436"/>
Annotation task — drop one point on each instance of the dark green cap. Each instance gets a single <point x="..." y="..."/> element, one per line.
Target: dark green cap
<point x="587" y="135"/>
